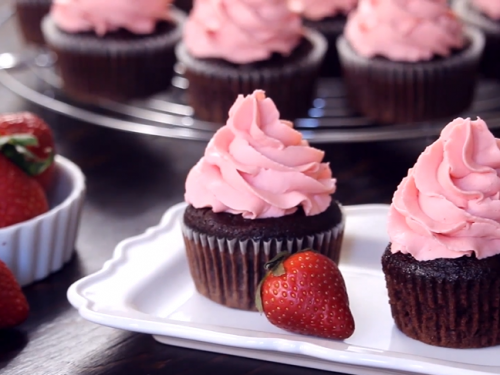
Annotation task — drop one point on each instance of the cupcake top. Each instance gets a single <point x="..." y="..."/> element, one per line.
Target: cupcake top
<point x="449" y="204"/>
<point x="259" y="166"/>
<point x="490" y="8"/>
<point x="242" y="31"/>
<point x="103" y="16"/>
<point x="316" y="10"/>
<point x="404" y="30"/>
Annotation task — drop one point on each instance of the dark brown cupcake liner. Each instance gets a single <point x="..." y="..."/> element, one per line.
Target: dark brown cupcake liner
<point x="331" y="28"/>
<point x="402" y="92"/>
<point x="452" y="303"/>
<point x="228" y="270"/>
<point x="115" y="68"/>
<point x="490" y="62"/>
<point x="30" y="14"/>
<point x="215" y="84"/>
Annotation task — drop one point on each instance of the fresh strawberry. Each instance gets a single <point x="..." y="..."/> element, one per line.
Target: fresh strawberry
<point x="14" y="308"/>
<point x="21" y="196"/>
<point x="28" y="123"/>
<point x="305" y="293"/>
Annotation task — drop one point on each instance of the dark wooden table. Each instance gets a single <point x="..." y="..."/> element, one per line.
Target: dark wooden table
<point x="132" y="180"/>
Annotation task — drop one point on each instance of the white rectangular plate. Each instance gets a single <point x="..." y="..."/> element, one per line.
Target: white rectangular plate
<point x="146" y="287"/>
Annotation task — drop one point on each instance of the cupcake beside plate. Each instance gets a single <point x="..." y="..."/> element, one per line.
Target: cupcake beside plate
<point x="442" y="266"/>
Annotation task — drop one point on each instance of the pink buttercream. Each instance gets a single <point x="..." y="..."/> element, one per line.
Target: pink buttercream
<point x="103" y="16"/>
<point x="318" y="9"/>
<point x="241" y="31"/>
<point x="449" y="204"/>
<point x="404" y="30"/>
<point x="490" y="8"/>
<point x="259" y="166"/>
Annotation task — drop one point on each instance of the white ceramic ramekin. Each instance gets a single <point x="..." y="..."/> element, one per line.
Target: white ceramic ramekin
<point x="36" y="248"/>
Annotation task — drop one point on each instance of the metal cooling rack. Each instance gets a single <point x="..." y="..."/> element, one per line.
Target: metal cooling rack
<point x="32" y="75"/>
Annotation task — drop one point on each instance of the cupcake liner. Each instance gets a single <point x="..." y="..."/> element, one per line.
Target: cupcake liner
<point x="331" y="28"/>
<point x="452" y="303"/>
<point x="403" y="92"/>
<point x="490" y="62"/>
<point x="214" y="84"/>
<point x="228" y="270"/>
<point x="36" y="248"/>
<point x="30" y="14"/>
<point x="94" y="68"/>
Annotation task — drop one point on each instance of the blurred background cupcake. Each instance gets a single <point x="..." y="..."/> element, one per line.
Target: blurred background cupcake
<point x="233" y="47"/>
<point x="29" y="15"/>
<point x="115" y="50"/>
<point x="329" y="18"/>
<point x="260" y="189"/>
<point x="485" y="15"/>
<point x="409" y="61"/>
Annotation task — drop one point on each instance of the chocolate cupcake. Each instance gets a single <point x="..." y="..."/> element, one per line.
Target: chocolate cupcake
<point x="113" y="51"/>
<point x="329" y="18"/>
<point x="442" y="266"/>
<point x="29" y="15"/>
<point x="484" y="15"/>
<point x="405" y="64"/>
<point x="259" y="190"/>
<point x="233" y="47"/>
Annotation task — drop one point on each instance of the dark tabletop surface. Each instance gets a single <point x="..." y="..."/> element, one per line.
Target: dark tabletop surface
<point x="132" y="180"/>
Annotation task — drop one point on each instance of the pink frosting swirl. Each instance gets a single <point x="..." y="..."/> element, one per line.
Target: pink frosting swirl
<point x="404" y="30"/>
<point x="103" y="16"/>
<point x="449" y="204"/>
<point x="259" y="166"/>
<point x="319" y="9"/>
<point x="241" y="31"/>
<point x="490" y="8"/>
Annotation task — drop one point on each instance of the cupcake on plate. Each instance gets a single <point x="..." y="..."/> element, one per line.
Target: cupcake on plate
<point x="329" y="18"/>
<point x="115" y="50"/>
<point x="233" y="47"/>
<point x="29" y="15"/>
<point x="485" y="15"/>
<point x="442" y="266"/>
<point x="260" y="189"/>
<point x="405" y="61"/>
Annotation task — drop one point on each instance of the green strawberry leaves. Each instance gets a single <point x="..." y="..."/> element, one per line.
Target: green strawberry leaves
<point x="15" y="148"/>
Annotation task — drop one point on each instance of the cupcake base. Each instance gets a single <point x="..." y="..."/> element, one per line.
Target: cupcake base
<point x="490" y="62"/>
<point x="226" y="253"/>
<point x="454" y="303"/>
<point x="118" y="66"/>
<point x="290" y="81"/>
<point x="391" y="92"/>
<point x="331" y="28"/>
<point x="30" y="14"/>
